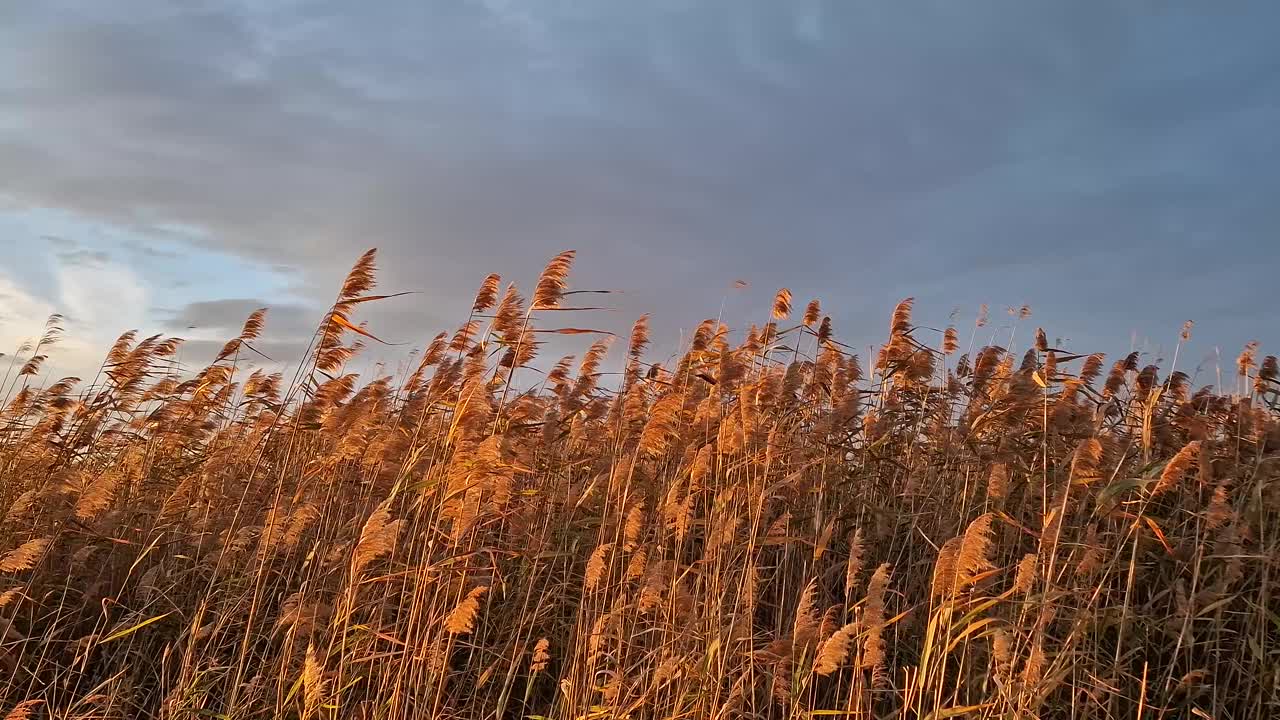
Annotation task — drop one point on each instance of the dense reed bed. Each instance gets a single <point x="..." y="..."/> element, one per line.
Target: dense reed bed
<point x="761" y="529"/>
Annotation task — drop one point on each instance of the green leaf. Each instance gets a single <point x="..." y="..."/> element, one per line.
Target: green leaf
<point x="135" y="628"/>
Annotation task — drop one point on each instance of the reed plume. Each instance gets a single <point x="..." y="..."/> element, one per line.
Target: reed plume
<point x="695" y="531"/>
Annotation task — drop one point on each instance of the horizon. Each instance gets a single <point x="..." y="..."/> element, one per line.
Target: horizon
<point x="371" y="363"/>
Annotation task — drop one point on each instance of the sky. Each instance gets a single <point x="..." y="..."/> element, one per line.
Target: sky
<point x="174" y="166"/>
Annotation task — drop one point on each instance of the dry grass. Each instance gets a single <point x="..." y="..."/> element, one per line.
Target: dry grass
<point x="756" y="531"/>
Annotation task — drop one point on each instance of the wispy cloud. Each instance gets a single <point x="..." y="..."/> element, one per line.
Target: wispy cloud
<point x="22" y="322"/>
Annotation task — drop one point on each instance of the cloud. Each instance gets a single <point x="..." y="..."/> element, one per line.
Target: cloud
<point x="853" y="151"/>
<point x="146" y="250"/>
<point x="101" y="297"/>
<point x="228" y="315"/>
<point x="98" y="299"/>
<point x="275" y="355"/>
<point x="206" y="326"/>
<point x="84" y="257"/>
<point x="59" y="243"/>
<point x="22" y="322"/>
<point x="22" y="315"/>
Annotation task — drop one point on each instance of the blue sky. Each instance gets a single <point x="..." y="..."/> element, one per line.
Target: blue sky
<point x="1110" y="164"/>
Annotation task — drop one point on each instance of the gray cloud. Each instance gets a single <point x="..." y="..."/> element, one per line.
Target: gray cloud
<point x="285" y="337"/>
<point x="1088" y="158"/>
<point x="227" y="316"/>
<point x="60" y="244"/>
<point x="274" y="355"/>
<point x="84" y="257"/>
<point x="145" y="250"/>
<point x="69" y="251"/>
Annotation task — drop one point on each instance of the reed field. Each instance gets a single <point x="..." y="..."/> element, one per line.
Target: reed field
<point x="766" y="526"/>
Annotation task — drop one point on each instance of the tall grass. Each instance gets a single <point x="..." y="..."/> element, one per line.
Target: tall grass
<point x="760" y="530"/>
